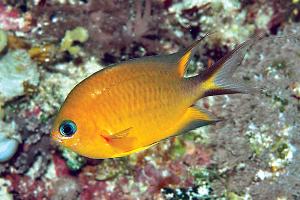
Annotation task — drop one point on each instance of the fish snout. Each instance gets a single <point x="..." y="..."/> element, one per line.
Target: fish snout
<point x="56" y="138"/>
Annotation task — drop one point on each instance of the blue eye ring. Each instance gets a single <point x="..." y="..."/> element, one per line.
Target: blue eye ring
<point x="67" y="128"/>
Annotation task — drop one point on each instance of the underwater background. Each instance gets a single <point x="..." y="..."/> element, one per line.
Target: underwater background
<point x="47" y="47"/>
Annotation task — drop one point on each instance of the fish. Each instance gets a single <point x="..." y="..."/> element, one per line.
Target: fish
<point x="130" y="106"/>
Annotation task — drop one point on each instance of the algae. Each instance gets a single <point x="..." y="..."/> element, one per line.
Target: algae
<point x="3" y="40"/>
<point x="73" y="160"/>
<point x="79" y="34"/>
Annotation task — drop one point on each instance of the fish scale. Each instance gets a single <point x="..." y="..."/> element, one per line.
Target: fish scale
<point x="149" y="98"/>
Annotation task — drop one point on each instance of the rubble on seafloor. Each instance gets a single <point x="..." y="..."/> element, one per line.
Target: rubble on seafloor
<point x="47" y="47"/>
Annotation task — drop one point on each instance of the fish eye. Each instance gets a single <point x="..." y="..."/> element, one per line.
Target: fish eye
<point x="67" y="128"/>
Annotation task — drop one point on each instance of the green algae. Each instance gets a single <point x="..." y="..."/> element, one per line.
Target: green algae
<point x="199" y="135"/>
<point x="277" y="148"/>
<point x="277" y="100"/>
<point x="204" y="177"/>
<point x="280" y="148"/>
<point x="212" y="19"/>
<point x="234" y="196"/>
<point x="177" y="149"/>
<point x="278" y="68"/>
<point x="200" y="174"/>
<point x="73" y="160"/>
<point x="79" y="34"/>
<point x="259" y="141"/>
<point x="111" y="168"/>
<point x="3" y="40"/>
<point x="279" y="64"/>
<point x="280" y="102"/>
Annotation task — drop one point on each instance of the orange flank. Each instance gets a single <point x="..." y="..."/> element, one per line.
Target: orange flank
<point x="130" y="106"/>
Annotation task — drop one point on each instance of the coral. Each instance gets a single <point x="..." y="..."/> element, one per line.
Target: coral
<point x="65" y="188"/>
<point x="60" y="167"/>
<point x="258" y="140"/>
<point x="252" y="154"/>
<point x="198" y="192"/>
<point x="4" y="194"/>
<point x="110" y="168"/>
<point x="34" y="117"/>
<point x="15" y="42"/>
<point x="18" y="74"/>
<point x="117" y="30"/>
<point x="12" y="19"/>
<point x="250" y="131"/>
<point x="43" y="53"/>
<point x="211" y="15"/>
<point x="28" y="159"/>
<point x="26" y="188"/>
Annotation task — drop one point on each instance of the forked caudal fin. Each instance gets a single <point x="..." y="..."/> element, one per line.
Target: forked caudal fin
<point x="217" y="79"/>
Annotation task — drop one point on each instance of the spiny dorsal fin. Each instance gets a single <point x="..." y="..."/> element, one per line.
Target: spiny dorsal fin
<point x="186" y="55"/>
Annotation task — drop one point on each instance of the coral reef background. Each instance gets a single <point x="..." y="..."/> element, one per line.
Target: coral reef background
<point x="47" y="47"/>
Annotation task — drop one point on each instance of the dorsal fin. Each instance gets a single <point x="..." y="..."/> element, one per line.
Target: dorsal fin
<point x="184" y="56"/>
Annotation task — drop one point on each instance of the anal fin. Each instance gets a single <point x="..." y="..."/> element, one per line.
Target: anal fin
<point x="120" y="140"/>
<point x="126" y="153"/>
<point x="194" y="117"/>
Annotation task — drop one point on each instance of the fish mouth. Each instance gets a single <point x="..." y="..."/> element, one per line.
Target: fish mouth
<point x="56" y="138"/>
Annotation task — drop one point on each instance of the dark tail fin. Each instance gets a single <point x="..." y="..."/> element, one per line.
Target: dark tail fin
<point x="218" y="80"/>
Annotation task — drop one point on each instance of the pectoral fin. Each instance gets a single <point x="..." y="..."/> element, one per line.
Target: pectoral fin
<point x="118" y="135"/>
<point x="120" y="140"/>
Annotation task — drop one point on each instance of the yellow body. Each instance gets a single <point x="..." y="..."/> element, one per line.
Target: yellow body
<point x="130" y="106"/>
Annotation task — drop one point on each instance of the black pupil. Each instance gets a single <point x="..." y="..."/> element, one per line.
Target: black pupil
<point x="67" y="129"/>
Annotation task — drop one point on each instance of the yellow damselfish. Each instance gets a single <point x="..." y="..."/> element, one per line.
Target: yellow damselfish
<point x="132" y="105"/>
